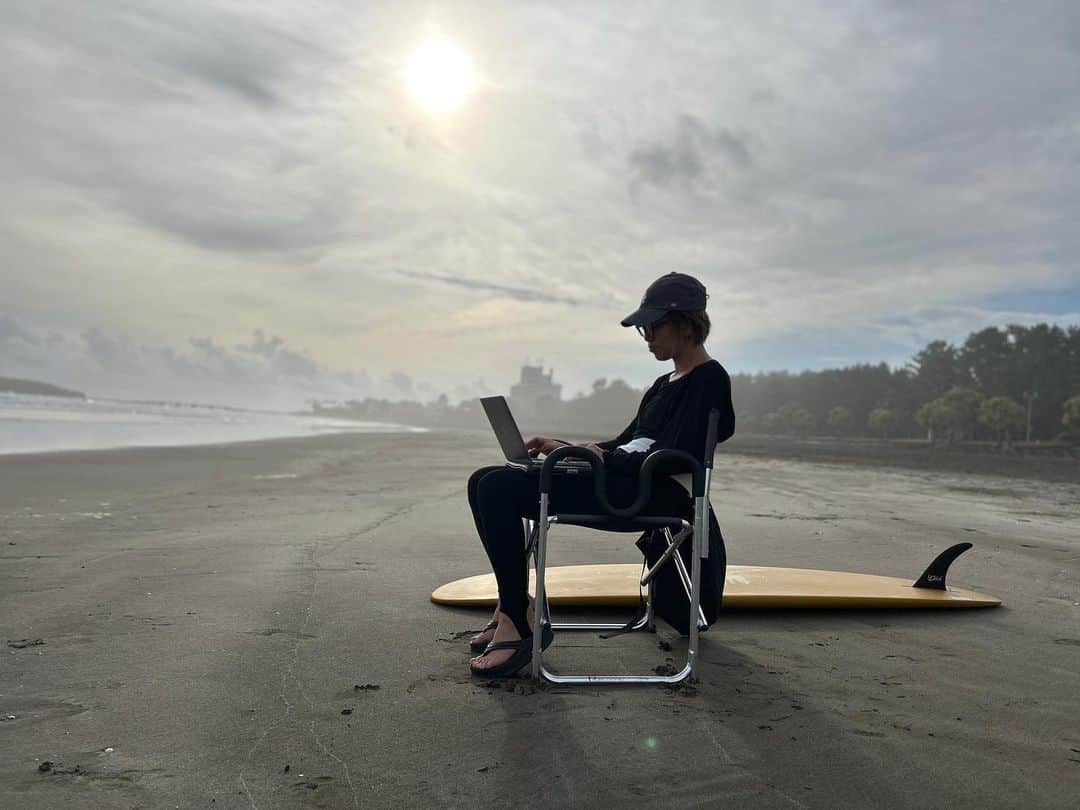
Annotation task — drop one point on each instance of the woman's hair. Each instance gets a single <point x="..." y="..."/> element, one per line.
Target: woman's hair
<point x="697" y="322"/>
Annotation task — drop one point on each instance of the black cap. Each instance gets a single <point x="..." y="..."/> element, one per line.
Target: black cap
<point x="675" y="291"/>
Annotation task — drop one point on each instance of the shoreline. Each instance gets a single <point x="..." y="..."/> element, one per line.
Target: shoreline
<point x="380" y="429"/>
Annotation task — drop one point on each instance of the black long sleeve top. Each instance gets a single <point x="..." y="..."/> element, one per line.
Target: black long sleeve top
<point x="674" y="415"/>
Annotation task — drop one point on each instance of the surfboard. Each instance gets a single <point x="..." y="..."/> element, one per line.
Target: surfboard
<point x="747" y="586"/>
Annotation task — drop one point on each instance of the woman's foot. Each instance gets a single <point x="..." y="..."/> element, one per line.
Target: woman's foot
<point x="505" y="631"/>
<point x="487" y="635"/>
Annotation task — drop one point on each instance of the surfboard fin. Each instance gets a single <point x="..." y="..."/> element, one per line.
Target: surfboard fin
<point x="934" y="575"/>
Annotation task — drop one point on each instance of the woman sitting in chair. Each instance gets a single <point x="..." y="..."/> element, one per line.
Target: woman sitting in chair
<point x="673" y="414"/>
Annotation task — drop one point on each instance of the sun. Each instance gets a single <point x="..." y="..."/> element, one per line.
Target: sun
<point x="440" y="76"/>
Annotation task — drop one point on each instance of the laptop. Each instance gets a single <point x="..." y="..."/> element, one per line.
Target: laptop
<point x="513" y="445"/>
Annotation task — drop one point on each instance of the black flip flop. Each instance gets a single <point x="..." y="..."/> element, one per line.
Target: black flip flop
<point x="480" y="646"/>
<point x="522" y="654"/>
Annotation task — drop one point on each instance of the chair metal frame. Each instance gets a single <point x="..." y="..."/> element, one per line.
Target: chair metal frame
<point x="628" y="519"/>
<point x="532" y="529"/>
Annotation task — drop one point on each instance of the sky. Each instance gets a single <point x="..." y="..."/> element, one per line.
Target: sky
<point x="246" y="203"/>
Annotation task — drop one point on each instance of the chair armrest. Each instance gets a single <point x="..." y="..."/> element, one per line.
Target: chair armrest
<point x="682" y="459"/>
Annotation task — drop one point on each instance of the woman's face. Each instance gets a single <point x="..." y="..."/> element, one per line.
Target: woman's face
<point x="663" y="339"/>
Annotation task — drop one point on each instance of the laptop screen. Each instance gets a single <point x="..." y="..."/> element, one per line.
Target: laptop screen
<point x="506" y="429"/>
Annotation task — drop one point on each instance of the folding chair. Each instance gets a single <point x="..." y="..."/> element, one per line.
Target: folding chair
<point x="676" y="529"/>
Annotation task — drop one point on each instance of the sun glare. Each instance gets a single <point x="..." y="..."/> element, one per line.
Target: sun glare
<point x="440" y="76"/>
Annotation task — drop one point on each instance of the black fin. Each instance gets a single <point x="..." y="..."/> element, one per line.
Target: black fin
<point x="934" y="575"/>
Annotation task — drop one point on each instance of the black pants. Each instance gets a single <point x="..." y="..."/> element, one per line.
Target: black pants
<point x="501" y="496"/>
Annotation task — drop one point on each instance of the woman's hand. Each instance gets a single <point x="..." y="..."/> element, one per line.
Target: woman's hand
<point x="592" y="447"/>
<point x="539" y="444"/>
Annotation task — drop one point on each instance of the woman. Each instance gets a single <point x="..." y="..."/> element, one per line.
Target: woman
<point x="673" y="414"/>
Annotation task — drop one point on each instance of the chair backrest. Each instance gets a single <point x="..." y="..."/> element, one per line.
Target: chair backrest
<point x="685" y="480"/>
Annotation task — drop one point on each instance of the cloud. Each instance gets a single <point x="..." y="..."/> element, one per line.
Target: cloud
<point x="264" y="373"/>
<point x="693" y="156"/>
<point x="162" y="46"/>
<point x="517" y="293"/>
<point x="287" y="362"/>
<point x="10" y="330"/>
<point x="169" y="119"/>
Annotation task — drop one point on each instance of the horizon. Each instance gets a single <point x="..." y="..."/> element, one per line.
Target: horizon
<point x="578" y="393"/>
<point x="267" y="206"/>
<point x="909" y="365"/>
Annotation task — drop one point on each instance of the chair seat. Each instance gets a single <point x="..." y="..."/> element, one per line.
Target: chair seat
<point x="612" y="524"/>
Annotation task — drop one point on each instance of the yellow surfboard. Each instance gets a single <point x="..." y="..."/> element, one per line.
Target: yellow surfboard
<point x="747" y="586"/>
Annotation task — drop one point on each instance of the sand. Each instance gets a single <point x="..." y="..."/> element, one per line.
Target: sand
<point x="209" y="613"/>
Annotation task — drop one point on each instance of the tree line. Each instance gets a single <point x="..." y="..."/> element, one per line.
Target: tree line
<point x="1002" y="384"/>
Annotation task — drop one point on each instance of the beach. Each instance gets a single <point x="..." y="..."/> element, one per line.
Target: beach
<point x="248" y="626"/>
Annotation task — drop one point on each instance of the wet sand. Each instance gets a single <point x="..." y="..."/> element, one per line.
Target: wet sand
<point x="1047" y="463"/>
<point x="249" y="626"/>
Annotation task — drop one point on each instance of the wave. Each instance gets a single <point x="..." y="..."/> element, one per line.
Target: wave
<point x="37" y="424"/>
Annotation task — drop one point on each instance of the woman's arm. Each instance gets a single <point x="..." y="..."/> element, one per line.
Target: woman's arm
<point x="622" y="438"/>
<point x="725" y="428"/>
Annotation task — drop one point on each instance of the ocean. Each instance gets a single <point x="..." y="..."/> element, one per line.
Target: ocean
<point x="41" y="424"/>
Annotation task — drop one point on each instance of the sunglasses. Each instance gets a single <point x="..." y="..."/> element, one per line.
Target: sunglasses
<point x="647" y="332"/>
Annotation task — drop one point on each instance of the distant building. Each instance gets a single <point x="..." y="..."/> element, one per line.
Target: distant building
<point x="535" y="394"/>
